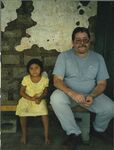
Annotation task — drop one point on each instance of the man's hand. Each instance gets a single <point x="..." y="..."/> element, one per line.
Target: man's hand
<point x="88" y="101"/>
<point x="78" y="97"/>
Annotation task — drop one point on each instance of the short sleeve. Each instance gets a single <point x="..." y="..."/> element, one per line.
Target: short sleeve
<point x="102" y="71"/>
<point x="46" y="82"/>
<point x="44" y="74"/>
<point x="24" y="81"/>
<point x="59" y="68"/>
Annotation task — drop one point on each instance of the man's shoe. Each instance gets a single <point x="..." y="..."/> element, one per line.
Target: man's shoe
<point x="102" y="135"/>
<point x="72" y="140"/>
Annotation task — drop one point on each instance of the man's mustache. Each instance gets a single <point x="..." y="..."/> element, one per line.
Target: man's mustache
<point x="82" y="46"/>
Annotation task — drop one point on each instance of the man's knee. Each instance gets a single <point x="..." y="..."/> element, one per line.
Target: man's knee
<point x="58" y="97"/>
<point x="108" y="110"/>
<point x="103" y="105"/>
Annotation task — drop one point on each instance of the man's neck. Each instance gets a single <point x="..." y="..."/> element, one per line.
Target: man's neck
<point x="82" y="55"/>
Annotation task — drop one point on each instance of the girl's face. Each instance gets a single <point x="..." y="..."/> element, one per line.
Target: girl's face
<point x="35" y="70"/>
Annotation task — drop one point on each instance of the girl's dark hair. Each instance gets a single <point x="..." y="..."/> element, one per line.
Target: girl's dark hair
<point x="80" y="29"/>
<point x="35" y="61"/>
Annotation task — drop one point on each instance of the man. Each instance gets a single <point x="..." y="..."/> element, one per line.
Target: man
<point x="80" y="78"/>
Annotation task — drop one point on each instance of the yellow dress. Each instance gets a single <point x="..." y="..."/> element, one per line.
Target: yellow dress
<point x="30" y="108"/>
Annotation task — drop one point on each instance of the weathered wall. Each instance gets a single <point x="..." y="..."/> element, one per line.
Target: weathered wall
<point x="55" y="21"/>
<point x="46" y="28"/>
<point x="52" y="21"/>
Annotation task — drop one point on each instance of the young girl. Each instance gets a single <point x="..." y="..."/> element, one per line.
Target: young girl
<point x="33" y="91"/>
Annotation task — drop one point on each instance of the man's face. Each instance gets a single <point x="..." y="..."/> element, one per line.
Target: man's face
<point x="81" y="42"/>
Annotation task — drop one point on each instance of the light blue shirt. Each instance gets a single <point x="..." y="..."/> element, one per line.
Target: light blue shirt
<point x="81" y="74"/>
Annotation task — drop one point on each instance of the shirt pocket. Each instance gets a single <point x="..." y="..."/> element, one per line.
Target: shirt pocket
<point x="91" y="72"/>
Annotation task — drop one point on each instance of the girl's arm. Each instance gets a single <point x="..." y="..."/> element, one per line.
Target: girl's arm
<point x="43" y="95"/>
<point x="23" y="94"/>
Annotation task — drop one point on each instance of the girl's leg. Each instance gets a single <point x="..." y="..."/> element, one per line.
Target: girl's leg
<point x="45" y="124"/>
<point x="23" y="121"/>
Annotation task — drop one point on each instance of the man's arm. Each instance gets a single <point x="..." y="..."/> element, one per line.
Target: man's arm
<point x="58" y="83"/>
<point x="99" y="89"/>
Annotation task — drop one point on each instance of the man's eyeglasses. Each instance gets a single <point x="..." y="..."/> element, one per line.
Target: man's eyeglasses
<point x="79" y="41"/>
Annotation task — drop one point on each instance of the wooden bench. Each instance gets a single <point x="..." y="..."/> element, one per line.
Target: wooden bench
<point x="10" y="105"/>
<point x="81" y="114"/>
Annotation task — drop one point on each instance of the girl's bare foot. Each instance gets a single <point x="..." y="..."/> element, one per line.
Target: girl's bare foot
<point x="23" y="140"/>
<point x="47" y="141"/>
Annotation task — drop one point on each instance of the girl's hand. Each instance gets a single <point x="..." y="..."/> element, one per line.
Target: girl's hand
<point x="34" y="97"/>
<point x="37" y="101"/>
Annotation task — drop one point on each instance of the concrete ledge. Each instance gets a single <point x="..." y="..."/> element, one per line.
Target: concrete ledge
<point x="83" y="120"/>
<point x="8" y="123"/>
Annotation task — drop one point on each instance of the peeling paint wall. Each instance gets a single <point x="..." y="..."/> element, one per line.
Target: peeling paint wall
<point x="8" y="13"/>
<point x="55" y="21"/>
